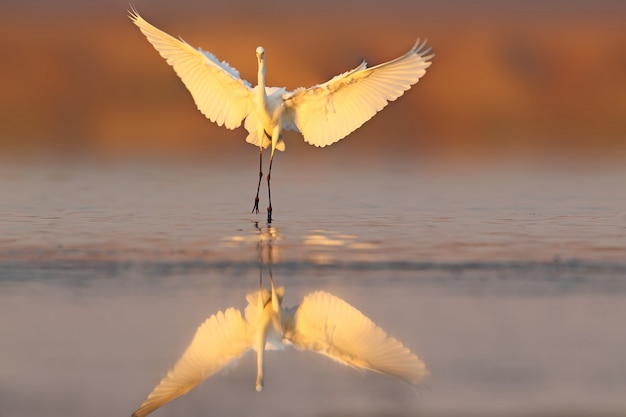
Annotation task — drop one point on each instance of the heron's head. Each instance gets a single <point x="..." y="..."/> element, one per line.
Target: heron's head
<point x="260" y="53"/>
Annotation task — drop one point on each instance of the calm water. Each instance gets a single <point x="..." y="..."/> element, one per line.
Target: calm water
<point x="510" y="285"/>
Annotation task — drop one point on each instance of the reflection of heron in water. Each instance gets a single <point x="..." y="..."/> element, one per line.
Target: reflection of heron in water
<point x="322" y="323"/>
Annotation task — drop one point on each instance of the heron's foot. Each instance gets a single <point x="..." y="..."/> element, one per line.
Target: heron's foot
<point x="255" y="209"/>
<point x="269" y="214"/>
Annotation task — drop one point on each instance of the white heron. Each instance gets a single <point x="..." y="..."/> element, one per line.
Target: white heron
<point x="323" y="114"/>
<point x="322" y="323"/>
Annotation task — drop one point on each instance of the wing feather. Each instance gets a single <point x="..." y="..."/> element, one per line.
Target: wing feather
<point x="328" y="112"/>
<point x="328" y="325"/>
<point x="221" y="339"/>
<point x="216" y="87"/>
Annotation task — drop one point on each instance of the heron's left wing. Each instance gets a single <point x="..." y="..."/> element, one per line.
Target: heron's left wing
<point x="328" y="325"/>
<point x="221" y="339"/>
<point x="328" y="112"/>
<point x="216" y="87"/>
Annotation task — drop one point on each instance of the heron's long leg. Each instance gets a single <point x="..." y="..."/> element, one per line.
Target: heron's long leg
<point x="269" y="191"/>
<point x="276" y="133"/>
<point x="275" y="139"/>
<point x="255" y="209"/>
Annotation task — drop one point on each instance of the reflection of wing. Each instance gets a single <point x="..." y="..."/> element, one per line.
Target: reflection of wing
<point x="255" y="306"/>
<point x="328" y="112"/>
<point x="221" y="339"/>
<point x="326" y="324"/>
<point x="218" y="90"/>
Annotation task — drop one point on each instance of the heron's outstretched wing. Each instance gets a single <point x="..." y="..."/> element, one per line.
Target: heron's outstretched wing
<point x="221" y="339"/>
<point x="326" y="324"/>
<point x="217" y="89"/>
<point x="328" y="112"/>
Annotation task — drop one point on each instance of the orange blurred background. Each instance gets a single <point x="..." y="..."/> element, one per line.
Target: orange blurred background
<point x="529" y="80"/>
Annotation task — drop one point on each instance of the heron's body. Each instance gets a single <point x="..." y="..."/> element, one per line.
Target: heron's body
<point x="322" y="323"/>
<point x="323" y="114"/>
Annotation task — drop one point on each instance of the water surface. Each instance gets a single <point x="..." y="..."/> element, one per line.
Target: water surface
<point x="510" y="285"/>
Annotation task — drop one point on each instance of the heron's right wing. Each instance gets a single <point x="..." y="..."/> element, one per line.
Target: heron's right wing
<point x="217" y="89"/>
<point x="328" y="112"/>
<point x="221" y="339"/>
<point x="328" y="325"/>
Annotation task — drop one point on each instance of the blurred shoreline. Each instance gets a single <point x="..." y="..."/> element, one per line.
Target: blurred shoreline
<point x="534" y="83"/>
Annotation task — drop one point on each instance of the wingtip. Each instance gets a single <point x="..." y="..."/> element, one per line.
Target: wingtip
<point x="422" y="49"/>
<point x="133" y="15"/>
<point x="424" y="375"/>
<point x="141" y="412"/>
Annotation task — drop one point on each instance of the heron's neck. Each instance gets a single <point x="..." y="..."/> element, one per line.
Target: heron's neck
<point x="261" y="83"/>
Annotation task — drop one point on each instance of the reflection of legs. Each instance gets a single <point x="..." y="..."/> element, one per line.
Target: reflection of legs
<point x="255" y="209"/>
<point x="265" y="241"/>
<point x="260" y="248"/>
<point x="260" y="331"/>
<point x="270" y="259"/>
